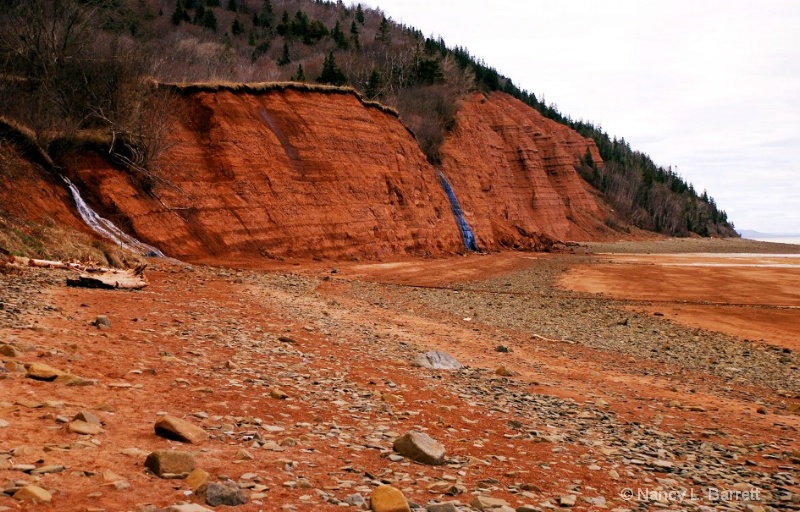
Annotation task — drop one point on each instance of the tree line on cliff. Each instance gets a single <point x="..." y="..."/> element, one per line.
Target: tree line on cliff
<point x="77" y="67"/>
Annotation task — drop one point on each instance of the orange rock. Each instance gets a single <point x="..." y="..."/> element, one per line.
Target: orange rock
<point x="388" y="499"/>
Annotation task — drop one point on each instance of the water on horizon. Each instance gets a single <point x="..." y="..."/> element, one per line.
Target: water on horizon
<point x="792" y="240"/>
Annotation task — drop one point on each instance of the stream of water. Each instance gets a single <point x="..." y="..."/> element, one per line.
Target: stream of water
<point x="466" y="233"/>
<point x="107" y="228"/>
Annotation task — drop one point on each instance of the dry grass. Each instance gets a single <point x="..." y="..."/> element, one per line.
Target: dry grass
<point x="48" y="240"/>
<point x="265" y="87"/>
<point x="25" y="139"/>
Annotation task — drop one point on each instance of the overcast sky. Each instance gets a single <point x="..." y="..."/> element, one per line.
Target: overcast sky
<point x="710" y="87"/>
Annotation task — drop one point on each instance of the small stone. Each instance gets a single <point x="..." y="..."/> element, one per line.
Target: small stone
<point x="44" y="372"/>
<point x="88" y="417"/>
<point x="435" y="360"/>
<point x="488" y="503"/>
<point x="286" y="339"/>
<point x="187" y="507"/>
<point x="4" y="423"/>
<point x="420" y="447"/>
<point x="243" y="454"/>
<point x="43" y="470"/>
<point x="222" y="493"/>
<point x="278" y="394"/>
<point x="568" y="500"/>
<point x="33" y="493"/>
<point x="505" y="372"/>
<point x="84" y="428"/>
<point x="448" y="506"/>
<point x="177" y="429"/>
<point x="170" y="463"/>
<point x="356" y="500"/>
<point x="9" y="351"/>
<point x="111" y="477"/>
<point x="102" y="321"/>
<point x="388" y="499"/>
<point x="197" y="478"/>
<point x="502" y="349"/>
<point x="761" y="410"/>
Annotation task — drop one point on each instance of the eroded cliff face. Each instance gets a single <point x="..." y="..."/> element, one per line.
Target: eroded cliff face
<point x="282" y="174"/>
<point x="321" y="174"/>
<point x="514" y="172"/>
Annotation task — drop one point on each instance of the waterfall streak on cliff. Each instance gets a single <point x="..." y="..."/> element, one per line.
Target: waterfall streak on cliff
<point x="455" y="206"/>
<point x="107" y="228"/>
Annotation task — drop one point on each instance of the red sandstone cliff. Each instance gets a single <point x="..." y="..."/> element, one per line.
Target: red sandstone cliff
<point x="284" y="173"/>
<point x="287" y="173"/>
<point x="513" y="171"/>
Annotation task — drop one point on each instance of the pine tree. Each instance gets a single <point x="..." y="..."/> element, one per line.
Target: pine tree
<point x="266" y="17"/>
<point x="284" y="59"/>
<point x="383" y="32"/>
<point x="300" y="75"/>
<point x="339" y="38"/>
<point x="212" y="3"/>
<point x="360" y="14"/>
<point x="232" y="5"/>
<point x="179" y="14"/>
<point x="354" y="35"/>
<point x="210" y="20"/>
<point x="237" y="27"/>
<point x="374" y="85"/>
<point x="331" y="74"/>
<point x="199" y="14"/>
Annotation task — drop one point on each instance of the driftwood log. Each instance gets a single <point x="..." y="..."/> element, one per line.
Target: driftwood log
<point x="131" y="279"/>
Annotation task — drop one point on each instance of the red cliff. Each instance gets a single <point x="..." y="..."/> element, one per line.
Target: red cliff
<point x="514" y="172"/>
<point x="284" y="173"/>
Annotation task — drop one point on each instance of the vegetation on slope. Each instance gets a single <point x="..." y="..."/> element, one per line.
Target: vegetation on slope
<point x="74" y="65"/>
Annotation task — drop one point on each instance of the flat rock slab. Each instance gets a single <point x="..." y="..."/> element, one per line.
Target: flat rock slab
<point x="435" y="360"/>
<point x="41" y="371"/>
<point x="420" y="447"/>
<point x="170" y="463"/>
<point x="33" y="493"/>
<point x="177" y="429"/>
<point x="187" y="507"/>
<point x="84" y="428"/>
<point x="488" y="503"/>
<point x="388" y="499"/>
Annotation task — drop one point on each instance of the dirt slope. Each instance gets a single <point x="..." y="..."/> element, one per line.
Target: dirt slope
<point x="514" y="173"/>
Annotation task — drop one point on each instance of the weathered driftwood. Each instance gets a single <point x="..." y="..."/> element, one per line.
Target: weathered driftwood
<point x="131" y="279"/>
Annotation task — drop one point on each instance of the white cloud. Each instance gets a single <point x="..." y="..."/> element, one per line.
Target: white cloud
<point x="710" y="86"/>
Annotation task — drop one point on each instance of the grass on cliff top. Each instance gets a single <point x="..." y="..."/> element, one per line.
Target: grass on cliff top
<point x="262" y="87"/>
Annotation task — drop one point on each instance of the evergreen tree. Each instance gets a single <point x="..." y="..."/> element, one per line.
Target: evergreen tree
<point x="339" y="38"/>
<point x="284" y="59"/>
<point x="354" y="36"/>
<point x="232" y="5"/>
<point x="237" y="27"/>
<point x="210" y="20"/>
<point x="374" y="85"/>
<point x="199" y="14"/>
<point x="300" y="75"/>
<point x="212" y="3"/>
<point x="266" y="17"/>
<point x="360" y="14"/>
<point x="331" y="74"/>
<point x="383" y="32"/>
<point x="285" y="25"/>
<point x="179" y="14"/>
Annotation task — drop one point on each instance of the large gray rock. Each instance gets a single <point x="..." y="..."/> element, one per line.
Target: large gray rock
<point x="435" y="360"/>
<point x="222" y="493"/>
<point x="420" y="447"/>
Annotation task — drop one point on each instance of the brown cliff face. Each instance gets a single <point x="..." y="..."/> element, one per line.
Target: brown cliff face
<point x="282" y="174"/>
<point x="513" y="171"/>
